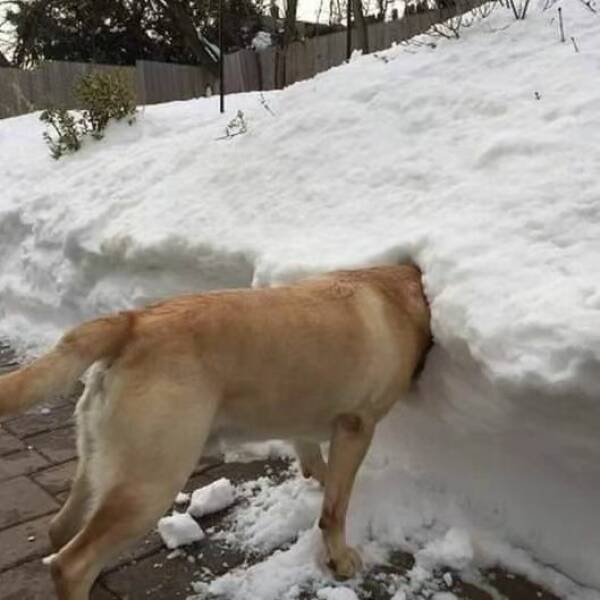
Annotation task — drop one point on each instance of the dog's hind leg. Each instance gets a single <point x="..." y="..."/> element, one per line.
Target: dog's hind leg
<point x="147" y="447"/>
<point x="70" y="518"/>
<point x="350" y="441"/>
<point x="311" y="460"/>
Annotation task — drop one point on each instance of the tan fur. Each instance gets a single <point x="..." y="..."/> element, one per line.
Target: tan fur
<point x="321" y="360"/>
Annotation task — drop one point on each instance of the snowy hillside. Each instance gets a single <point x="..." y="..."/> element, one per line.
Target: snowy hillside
<point x="479" y="157"/>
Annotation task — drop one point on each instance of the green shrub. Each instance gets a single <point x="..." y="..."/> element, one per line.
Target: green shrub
<point x="103" y="97"/>
<point x="68" y="131"/>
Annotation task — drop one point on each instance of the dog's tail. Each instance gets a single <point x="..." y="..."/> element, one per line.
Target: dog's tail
<point x="56" y="372"/>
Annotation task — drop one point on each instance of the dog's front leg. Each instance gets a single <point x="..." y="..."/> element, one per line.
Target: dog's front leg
<point x="351" y="437"/>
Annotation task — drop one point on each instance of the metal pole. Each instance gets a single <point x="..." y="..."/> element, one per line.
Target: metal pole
<point x="560" y="22"/>
<point x="221" y="69"/>
<point x="348" y="30"/>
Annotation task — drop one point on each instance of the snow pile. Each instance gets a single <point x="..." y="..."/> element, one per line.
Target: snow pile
<point x="179" y="529"/>
<point x="479" y="158"/>
<point x="275" y="513"/>
<point x="454" y="550"/>
<point x="212" y="498"/>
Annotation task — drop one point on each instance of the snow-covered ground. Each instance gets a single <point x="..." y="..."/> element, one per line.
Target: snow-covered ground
<point x="479" y="158"/>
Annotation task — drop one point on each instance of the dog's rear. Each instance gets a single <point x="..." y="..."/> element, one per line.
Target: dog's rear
<point x="55" y="373"/>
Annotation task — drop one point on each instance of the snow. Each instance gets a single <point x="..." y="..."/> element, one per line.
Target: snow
<point x="339" y="593"/>
<point x="453" y="550"/>
<point x="212" y="498"/>
<point x="182" y="498"/>
<point x="275" y="514"/>
<point x="478" y="158"/>
<point x="179" y="529"/>
<point x="262" y="40"/>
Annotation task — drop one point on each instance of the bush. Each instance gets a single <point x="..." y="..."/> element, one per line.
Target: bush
<point x="103" y="97"/>
<point x="67" y="129"/>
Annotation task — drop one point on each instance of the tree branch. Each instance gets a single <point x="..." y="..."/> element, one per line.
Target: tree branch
<point x="185" y="25"/>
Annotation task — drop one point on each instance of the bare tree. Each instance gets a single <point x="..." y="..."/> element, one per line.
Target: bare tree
<point x="361" y="25"/>
<point x="382" y="6"/>
<point x="177" y="12"/>
<point x="289" y="27"/>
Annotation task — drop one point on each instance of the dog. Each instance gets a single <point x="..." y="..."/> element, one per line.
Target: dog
<point x="320" y="360"/>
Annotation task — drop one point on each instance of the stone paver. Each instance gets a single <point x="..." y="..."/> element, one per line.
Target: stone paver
<point x="9" y="443"/>
<point x="517" y="586"/>
<point x="24" y="542"/>
<point x="56" y="479"/>
<point x="151" y="544"/>
<point x="40" y="420"/>
<point x="22" y="462"/>
<point x="57" y="446"/>
<point x="21" y="499"/>
<point x="32" y="581"/>
<point x="154" y="577"/>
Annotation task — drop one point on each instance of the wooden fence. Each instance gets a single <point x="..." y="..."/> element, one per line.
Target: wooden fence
<point x="23" y="91"/>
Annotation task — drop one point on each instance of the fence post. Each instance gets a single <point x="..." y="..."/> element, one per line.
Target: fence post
<point x="221" y="61"/>
<point x="348" y="29"/>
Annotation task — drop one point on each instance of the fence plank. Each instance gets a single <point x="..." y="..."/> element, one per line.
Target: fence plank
<point x="376" y="37"/>
<point x="16" y="93"/>
<point x="266" y="60"/>
<point x="321" y="53"/>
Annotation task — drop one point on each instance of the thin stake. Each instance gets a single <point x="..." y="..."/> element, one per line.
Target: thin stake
<point x="348" y="29"/>
<point x="574" y="44"/>
<point x="221" y="65"/>
<point x="524" y="13"/>
<point x="560" y="21"/>
<point x="512" y="4"/>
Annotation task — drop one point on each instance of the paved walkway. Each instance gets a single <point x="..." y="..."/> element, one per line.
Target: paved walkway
<point x="37" y="461"/>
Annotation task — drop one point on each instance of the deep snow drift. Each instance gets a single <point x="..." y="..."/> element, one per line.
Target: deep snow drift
<point x="479" y="158"/>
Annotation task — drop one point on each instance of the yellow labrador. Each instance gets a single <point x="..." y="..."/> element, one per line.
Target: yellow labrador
<point x="324" y="359"/>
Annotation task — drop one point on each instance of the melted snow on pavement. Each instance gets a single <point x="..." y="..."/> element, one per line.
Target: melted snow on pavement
<point x="479" y="158"/>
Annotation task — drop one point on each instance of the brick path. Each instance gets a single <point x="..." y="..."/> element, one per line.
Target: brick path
<point x="37" y="461"/>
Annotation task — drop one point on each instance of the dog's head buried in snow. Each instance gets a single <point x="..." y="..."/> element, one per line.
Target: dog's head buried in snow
<point x="321" y="360"/>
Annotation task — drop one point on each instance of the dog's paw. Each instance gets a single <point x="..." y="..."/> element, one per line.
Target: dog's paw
<point x="346" y="564"/>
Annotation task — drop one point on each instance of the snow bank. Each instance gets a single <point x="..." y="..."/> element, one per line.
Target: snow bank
<point x="478" y="157"/>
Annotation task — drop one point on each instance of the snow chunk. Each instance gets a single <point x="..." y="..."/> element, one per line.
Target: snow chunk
<point x="336" y="593"/>
<point x="179" y="530"/>
<point x="182" y="498"/>
<point x="212" y="498"/>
